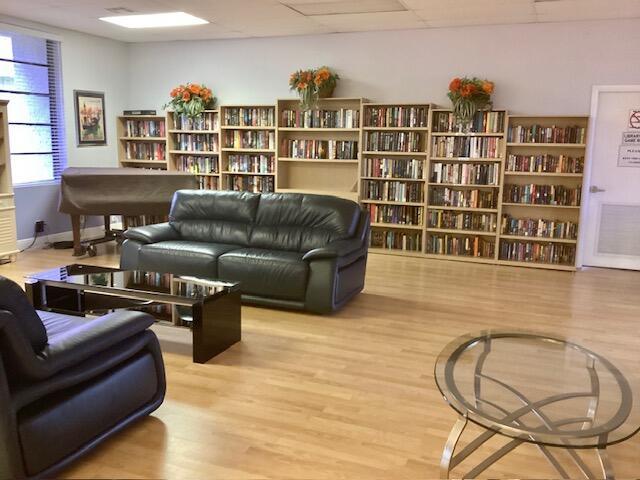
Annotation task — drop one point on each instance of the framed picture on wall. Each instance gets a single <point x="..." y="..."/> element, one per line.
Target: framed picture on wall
<point x="90" y="119"/>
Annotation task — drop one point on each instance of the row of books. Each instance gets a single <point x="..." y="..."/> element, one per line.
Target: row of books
<point x="197" y="164"/>
<point x="188" y="289"/>
<point x="197" y="142"/>
<point x="543" y="194"/>
<point x="465" y="173"/>
<point x="410" y="168"/>
<point x="145" y="151"/>
<point x="396" y="240"/>
<point x="396" y="214"/>
<point x="252" y="163"/>
<point x="394" y="141"/>
<point x="542" y="134"/>
<point x="466" y="246"/>
<point x="208" y="183"/>
<point x="481" y="222"/>
<point x="249" y="117"/>
<point x="539" y="227"/>
<point x="544" y="164"/>
<point x="393" y="191"/>
<point x="483" y="122"/>
<point x="342" y="118"/>
<point x="142" y="220"/>
<point x="466" y="147"/>
<point x="152" y="279"/>
<point x="204" y="121"/>
<point x="145" y="128"/>
<point x="446" y="197"/>
<point x="250" y="139"/>
<point x="401" y="116"/>
<point x="553" y="253"/>
<point x="248" y="183"/>
<point x="320" y="149"/>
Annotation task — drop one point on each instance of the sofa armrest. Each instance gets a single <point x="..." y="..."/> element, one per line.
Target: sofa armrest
<point x="337" y="248"/>
<point x="160" y="232"/>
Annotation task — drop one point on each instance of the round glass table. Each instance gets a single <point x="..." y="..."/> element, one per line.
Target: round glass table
<point x="535" y="389"/>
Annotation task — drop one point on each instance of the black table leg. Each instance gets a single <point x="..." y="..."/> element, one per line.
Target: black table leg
<point x="216" y="326"/>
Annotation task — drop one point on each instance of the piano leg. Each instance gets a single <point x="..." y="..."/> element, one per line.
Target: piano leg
<point x="75" y="228"/>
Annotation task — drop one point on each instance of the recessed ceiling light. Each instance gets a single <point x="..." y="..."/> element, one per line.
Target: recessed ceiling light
<point x="155" y="20"/>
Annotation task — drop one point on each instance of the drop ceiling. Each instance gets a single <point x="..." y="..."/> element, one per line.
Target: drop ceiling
<point x="265" y="18"/>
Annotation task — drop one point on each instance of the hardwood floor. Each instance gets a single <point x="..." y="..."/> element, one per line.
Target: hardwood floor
<point x="352" y="396"/>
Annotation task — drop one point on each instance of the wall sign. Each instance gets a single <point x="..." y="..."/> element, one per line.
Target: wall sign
<point x="629" y="150"/>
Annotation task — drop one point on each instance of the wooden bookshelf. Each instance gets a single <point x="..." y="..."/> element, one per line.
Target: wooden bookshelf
<point x="142" y="141"/>
<point x="543" y="152"/>
<point x="314" y="153"/>
<point x="194" y="146"/>
<point x="395" y="139"/>
<point x="8" y="236"/>
<point x="248" y="148"/>
<point x="464" y="186"/>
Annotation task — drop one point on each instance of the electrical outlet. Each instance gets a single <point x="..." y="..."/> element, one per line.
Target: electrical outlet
<point x="40" y="226"/>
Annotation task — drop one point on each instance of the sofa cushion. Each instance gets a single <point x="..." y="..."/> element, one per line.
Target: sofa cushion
<point x="296" y="222"/>
<point x="14" y="300"/>
<point x="269" y="273"/>
<point x="183" y="257"/>
<point x="214" y="217"/>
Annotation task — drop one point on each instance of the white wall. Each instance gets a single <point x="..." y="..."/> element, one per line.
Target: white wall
<point x="538" y="68"/>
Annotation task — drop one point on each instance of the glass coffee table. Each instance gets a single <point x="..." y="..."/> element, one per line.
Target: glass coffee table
<point x="211" y="309"/>
<point x="535" y="389"/>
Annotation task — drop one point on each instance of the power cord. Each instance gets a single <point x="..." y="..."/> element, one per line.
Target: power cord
<point x="35" y="237"/>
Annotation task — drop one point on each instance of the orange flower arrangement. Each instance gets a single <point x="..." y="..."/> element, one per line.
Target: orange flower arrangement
<point x="313" y="84"/>
<point x="191" y="99"/>
<point x="469" y="95"/>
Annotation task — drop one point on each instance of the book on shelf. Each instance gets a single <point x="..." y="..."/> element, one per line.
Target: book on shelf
<point x="483" y="122"/>
<point x="320" y="149"/>
<point x="546" y="134"/>
<point x="539" y="228"/>
<point x="410" y="168"/>
<point x="197" y="164"/>
<point x="452" y="220"/>
<point x="249" y="116"/>
<point x="396" y="116"/>
<point x="249" y="183"/>
<point x="394" y="191"/>
<point x="145" y="151"/>
<point x="257" y="139"/>
<point x="448" y="197"/>
<point x="143" y="220"/>
<point x="152" y="279"/>
<point x="138" y="112"/>
<point x="251" y="163"/>
<point x="396" y="240"/>
<point x="465" y="173"/>
<point x="197" y="142"/>
<point x="393" y="141"/>
<point x="204" y="121"/>
<point x="208" y="183"/>
<point x="395" y="214"/>
<point x="464" y="246"/>
<point x="544" y="164"/>
<point x="145" y="128"/>
<point x="531" y="194"/>
<point x="529" y="251"/>
<point x="468" y="147"/>
<point x="341" y="118"/>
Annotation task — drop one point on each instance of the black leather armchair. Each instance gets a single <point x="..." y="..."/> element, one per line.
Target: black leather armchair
<point x="67" y="383"/>
<point x="286" y="249"/>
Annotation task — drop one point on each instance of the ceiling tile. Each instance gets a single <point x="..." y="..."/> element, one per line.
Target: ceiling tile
<point x="358" y="22"/>
<point x="571" y="10"/>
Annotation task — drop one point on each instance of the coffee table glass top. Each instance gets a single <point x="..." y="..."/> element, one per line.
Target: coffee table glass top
<point x="538" y="389"/>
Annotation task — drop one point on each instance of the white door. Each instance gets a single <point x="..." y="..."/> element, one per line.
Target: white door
<point x="611" y="222"/>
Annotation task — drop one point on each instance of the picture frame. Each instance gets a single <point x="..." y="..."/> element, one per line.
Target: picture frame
<point x="91" y="128"/>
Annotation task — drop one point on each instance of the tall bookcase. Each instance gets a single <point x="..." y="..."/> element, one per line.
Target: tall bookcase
<point x="395" y="139"/>
<point x="142" y="141"/>
<point x="319" y="150"/>
<point x="194" y="146"/>
<point x="248" y="148"/>
<point x="464" y="186"/>
<point x="8" y="241"/>
<point x="540" y="208"/>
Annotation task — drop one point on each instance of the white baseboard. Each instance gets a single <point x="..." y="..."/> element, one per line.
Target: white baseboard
<point x="43" y="240"/>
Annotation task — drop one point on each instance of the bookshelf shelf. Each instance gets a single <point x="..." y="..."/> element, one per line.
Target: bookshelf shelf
<point x="385" y="153"/>
<point x="142" y="141"/>
<point x="396" y="129"/>
<point x="471" y="134"/>
<point x="320" y="129"/>
<point x="462" y="185"/>
<point x="547" y="145"/>
<point x="348" y="195"/>
<point x="391" y="202"/>
<point x="247" y="127"/>
<point x="536" y="205"/>
<point x="467" y="159"/>
<point x="542" y="174"/>
<point x="194" y="152"/>
<point x="538" y="239"/>
<point x="456" y="231"/>
<point x="315" y="160"/>
<point x="133" y="160"/>
<point x="248" y="149"/>
<point x="394" y="179"/>
<point x="462" y="209"/>
<point x="397" y="225"/>
<point x="192" y="131"/>
<point x="246" y="173"/>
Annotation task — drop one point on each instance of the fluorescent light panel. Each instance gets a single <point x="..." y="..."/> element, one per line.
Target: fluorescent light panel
<point x="344" y="7"/>
<point x="155" y="20"/>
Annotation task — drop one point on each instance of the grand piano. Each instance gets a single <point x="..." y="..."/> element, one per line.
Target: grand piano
<point x="128" y="192"/>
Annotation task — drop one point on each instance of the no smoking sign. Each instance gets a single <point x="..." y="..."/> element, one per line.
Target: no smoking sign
<point x="634" y="119"/>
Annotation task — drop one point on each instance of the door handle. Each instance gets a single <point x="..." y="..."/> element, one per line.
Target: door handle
<point x="595" y="189"/>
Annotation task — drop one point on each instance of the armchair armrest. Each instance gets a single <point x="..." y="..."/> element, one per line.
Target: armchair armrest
<point x="160" y="232"/>
<point x="337" y="248"/>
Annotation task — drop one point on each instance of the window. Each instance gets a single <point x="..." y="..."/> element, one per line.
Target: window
<point x="30" y="79"/>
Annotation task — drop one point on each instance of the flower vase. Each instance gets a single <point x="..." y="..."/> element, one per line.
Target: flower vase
<point x="308" y="98"/>
<point x="464" y="110"/>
